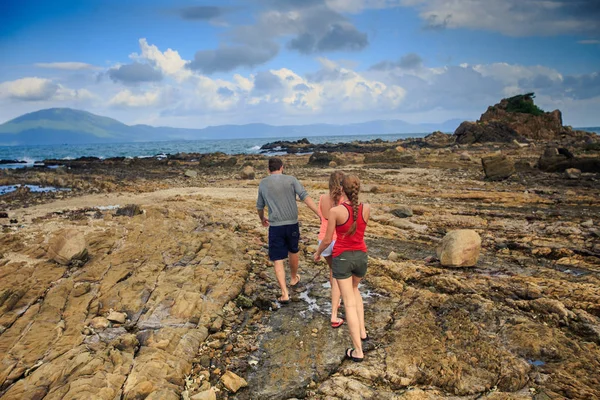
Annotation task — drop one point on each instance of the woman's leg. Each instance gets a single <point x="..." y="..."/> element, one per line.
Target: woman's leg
<point x="335" y="292"/>
<point x="346" y="287"/>
<point x="360" y="309"/>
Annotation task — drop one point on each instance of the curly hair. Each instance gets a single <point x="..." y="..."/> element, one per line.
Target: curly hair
<point x="351" y="186"/>
<point x="335" y="187"/>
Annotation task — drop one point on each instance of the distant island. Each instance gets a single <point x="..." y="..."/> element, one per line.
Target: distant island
<point x="70" y="126"/>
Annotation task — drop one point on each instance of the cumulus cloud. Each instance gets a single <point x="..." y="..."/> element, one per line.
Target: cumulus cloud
<point x="135" y="73"/>
<point x="29" y="89"/>
<point x="70" y="66"/>
<point x="33" y="89"/>
<point x="511" y="17"/>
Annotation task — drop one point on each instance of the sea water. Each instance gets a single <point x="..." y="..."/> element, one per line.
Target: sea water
<point x="37" y="153"/>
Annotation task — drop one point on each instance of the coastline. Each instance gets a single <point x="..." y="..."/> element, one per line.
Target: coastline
<point x="191" y="275"/>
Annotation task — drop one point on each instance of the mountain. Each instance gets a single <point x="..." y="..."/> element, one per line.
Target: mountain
<point x="69" y="126"/>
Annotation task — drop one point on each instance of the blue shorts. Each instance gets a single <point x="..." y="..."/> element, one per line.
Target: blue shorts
<point x="283" y="240"/>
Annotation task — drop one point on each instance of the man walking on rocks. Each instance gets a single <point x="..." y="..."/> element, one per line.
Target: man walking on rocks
<point x="278" y="193"/>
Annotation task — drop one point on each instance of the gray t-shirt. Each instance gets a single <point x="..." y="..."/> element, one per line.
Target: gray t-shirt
<point x="278" y="192"/>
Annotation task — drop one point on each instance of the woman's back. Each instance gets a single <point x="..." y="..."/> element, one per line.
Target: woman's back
<point x="344" y="221"/>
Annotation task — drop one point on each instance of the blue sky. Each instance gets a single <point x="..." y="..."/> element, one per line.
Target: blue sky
<point x="199" y="63"/>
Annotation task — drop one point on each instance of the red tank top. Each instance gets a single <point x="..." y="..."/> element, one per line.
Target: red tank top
<point x="354" y="242"/>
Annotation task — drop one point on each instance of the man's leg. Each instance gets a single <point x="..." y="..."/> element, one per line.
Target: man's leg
<point x="294" y="261"/>
<point x="280" y="274"/>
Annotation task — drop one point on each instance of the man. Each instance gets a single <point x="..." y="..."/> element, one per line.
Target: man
<point x="278" y="192"/>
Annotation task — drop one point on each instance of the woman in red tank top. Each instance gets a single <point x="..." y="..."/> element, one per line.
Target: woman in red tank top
<point x="349" y="221"/>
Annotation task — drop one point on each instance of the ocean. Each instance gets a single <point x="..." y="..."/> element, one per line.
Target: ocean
<point x="33" y="154"/>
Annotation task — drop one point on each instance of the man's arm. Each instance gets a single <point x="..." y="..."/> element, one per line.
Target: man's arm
<point x="303" y="194"/>
<point x="263" y="220"/>
<point x="260" y="208"/>
<point x="311" y="204"/>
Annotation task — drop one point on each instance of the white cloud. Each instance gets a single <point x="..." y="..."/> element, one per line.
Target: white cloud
<point x="169" y="62"/>
<point x="70" y="66"/>
<point x="29" y="89"/>
<point x="126" y="98"/>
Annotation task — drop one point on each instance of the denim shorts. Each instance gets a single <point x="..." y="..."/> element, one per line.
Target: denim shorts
<point x="350" y="263"/>
<point x="283" y="240"/>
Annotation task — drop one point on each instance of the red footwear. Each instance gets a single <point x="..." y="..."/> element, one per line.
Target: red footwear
<point x="338" y="323"/>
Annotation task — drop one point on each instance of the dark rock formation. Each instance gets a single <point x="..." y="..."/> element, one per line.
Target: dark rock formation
<point x="560" y="159"/>
<point x="516" y="118"/>
<point x="390" y="156"/>
<point x="477" y="132"/>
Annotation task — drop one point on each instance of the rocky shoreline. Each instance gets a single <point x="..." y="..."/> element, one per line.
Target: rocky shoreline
<point x="173" y="297"/>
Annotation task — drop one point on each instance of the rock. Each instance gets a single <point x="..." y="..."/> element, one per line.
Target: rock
<point x="405" y="224"/>
<point x="68" y="247"/>
<point x="247" y="172"/>
<point x="369" y="188"/>
<point x="130" y="210"/>
<point x="588" y="224"/>
<point x="465" y="156"/>
<point x="573" y="173"/>
<point x="99" y="323"/>
<point x="390" y="156"/>
<point x="438" y="138"/>
<point x="560" y="159"/>
<point x="243" y="301"/>
<point x="209" y="394"/>
<point x="81" y="289"/>
<point x="321" y="158"/>
<point x="332" y="164"/>
<point x="402" y="212"/>
<point x="477" y="132"/>
<point x="190" y="173"/>
<point x="216" y="325"/>
<point x="3" y="215"/>
<point x="232" y="382"/>
<point x="498" y="167"/>
<point x="393" y="256"/>
<point x="460" y="248"/>
<point x="117" y="317"/>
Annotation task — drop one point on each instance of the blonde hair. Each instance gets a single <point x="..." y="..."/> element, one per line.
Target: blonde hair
<point x="335" y="187"/>
<point x="351" y="186"/>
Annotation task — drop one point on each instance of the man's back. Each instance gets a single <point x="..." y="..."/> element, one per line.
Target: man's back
<point x="278" y="192"/>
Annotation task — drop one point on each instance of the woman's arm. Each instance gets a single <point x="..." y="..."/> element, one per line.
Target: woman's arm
<point x="333" y="216"/>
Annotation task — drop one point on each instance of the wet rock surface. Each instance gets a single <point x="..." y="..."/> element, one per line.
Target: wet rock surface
<point x="177" y="296"/>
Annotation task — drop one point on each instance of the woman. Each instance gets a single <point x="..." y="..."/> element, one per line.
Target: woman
<point x="326" y="202"/>
<point x="349" y="266"/>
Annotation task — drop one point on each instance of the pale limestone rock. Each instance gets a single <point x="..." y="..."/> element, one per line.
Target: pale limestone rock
<point x="460" y="248"/>
<point x="209" y="394"/>
<point x="67" y="247"/>
<point x="117" y="317"/>
<point x="100" y="323"/>
<point x="191" y="173"/>
<point x="232" y="382"/>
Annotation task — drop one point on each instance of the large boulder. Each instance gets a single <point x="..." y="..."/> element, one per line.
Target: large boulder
<point x="460" y="248"/>
<point x="68" y="247"/>
<point x="498" y="167"/>
<point x="247" y="172"/>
